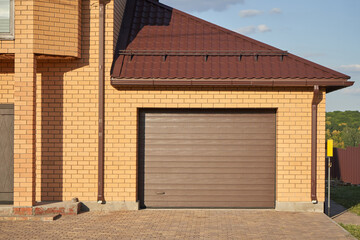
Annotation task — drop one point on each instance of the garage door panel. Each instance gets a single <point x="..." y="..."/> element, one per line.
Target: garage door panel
<point x="208" y="159"/>
<point x="207" y="130"/>
<point x="234" y="186"/>
<point x="210" y="198"/>
<point x="205" y="136"/>
<point x="207" y="170"/>
<point x="195" y="176"/>
<point x="170" y="152"/>
<point x="218" y="118"/>
<point x="210" y="142"/>
<point x="207" y="192"/>
<point x="200" y="125"/>
<point x="210" y="181"/>
<point x="209" y="147"/>
<point x="212" y="158"/>
<point x="221" y="204"/>
<point x="204" y="164"/>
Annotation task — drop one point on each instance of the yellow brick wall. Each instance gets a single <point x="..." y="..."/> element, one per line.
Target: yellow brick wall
<point x="67" y="115"/>
<point x="7" y="46"/>
<point x="293" y="133"/>
<point x="6" y="81"/>
<point x="57" y="31"/>
<point x="67" y="118"/>
<point x="24" y="99"/>
<point x="58" y="27"/>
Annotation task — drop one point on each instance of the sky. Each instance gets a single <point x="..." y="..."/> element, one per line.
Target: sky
<point x="326" y="32"/>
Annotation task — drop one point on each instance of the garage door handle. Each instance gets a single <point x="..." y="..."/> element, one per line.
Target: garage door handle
<point x="160" y="193"/>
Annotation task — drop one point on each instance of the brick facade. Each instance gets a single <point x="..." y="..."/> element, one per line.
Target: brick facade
<point x="293" y="132"/>
<point x="56" y="113"/>
<point x="58" y="30"/>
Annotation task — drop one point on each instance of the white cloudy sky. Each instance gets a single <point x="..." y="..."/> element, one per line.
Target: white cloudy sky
<point x="200" y="5"/>
<point x="323" y="31"/>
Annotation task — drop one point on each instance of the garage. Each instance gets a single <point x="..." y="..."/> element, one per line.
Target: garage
<point x="6" y="153"/>
<point x="207" y="158"/>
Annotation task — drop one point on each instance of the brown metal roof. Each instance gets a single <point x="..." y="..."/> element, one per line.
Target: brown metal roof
<point x="159" y="44"/>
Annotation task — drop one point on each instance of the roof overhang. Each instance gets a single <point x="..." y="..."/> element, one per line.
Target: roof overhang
<point x="329" y="84"/>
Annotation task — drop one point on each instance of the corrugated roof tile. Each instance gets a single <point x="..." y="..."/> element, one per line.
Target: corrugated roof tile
<point x="157" y="27"/>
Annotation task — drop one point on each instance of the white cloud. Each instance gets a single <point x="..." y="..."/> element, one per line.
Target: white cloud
<point x="253" y="29"/>
<point x="201" y="5"/>
<point x="247" y="30"/>
<point x="263" y="28"/>
<point x="250" y="13"/>
<point x="276" y="11"/>
<point x="351" y="91"/>
<point x="351" y="67"/>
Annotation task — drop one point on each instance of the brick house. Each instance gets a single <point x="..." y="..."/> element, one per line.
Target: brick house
<point x="135" y="104"/>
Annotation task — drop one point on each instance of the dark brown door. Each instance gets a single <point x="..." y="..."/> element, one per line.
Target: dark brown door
<point x="6" y="153"/>
<point x="207" y="158"/>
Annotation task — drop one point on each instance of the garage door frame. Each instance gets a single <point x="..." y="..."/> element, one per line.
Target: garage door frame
<point x="141" y="152"/>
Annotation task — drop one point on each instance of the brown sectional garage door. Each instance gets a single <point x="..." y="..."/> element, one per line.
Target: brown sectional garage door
<point x="203" y="158"/>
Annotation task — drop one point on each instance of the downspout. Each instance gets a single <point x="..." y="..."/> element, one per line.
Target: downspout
<point x="315" y="102"/>
<point x="100" y="197"/>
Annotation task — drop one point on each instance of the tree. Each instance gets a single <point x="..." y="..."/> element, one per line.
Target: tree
<point x="343" y="128"/>
<point x="336" y="136"/>
<point x="351" y="137"/>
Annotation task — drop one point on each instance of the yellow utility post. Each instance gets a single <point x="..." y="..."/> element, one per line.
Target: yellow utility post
<point x="330" y="147"/>
<point x="330" y="153"/>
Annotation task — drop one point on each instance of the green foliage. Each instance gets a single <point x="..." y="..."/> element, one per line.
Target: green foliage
<point x="351" y="137"/>
<point x="343" y="128"/>
<point x="339" y="120"/>
<point x="353" y="229"/>
<point x="336" y="136"/>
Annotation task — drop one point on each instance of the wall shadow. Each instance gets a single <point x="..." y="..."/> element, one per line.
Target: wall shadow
<point x="7" y="66"/>
<point x="138" y="14"/>
<point x="52" y="111"/>
<point x="141" y="159"/>
<point x="52" y="96"/>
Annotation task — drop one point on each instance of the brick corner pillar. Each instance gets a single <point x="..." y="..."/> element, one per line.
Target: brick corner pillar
<point x="24" y="130"/>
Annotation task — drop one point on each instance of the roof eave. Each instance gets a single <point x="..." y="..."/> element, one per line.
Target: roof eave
<point x="329" y="84"/>
<point x="335" y="88"/>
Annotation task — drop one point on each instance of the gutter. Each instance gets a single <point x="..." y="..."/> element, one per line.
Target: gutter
<point x="100" y="197"/>
<point x="330" y="84"/>
<point x="314" y="110"/>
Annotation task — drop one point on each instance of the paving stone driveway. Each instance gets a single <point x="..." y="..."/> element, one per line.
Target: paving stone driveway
<point x="179" y="224"/>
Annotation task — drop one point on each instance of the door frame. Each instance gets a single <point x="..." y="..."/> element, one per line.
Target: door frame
<point x="141" y="132"/>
